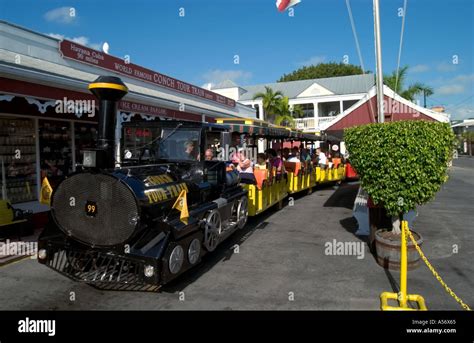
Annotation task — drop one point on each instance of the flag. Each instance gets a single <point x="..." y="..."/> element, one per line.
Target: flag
<point x="181" y="204"/>
<point x="45" y="194"/>
<point x="283" y="5"/>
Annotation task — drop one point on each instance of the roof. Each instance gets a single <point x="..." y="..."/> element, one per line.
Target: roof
<point x="351" y="84"/>
<point x="465" y="122"/>
<point x="45" y="65"/>
<point x="225" y="84"/>
<point x="441" y="117"/>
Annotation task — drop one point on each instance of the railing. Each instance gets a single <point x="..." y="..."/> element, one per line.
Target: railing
<point x="313" y="124"/>
<point x="306" y="124"/>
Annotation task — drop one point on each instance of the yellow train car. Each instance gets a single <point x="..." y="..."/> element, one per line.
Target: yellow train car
<point x="265" y="195"/>
<point x="300" y="177"/>
<point x="270" y="191"/>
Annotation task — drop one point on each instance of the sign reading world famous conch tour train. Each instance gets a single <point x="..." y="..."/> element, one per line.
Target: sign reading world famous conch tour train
<point x="99" y="59"/>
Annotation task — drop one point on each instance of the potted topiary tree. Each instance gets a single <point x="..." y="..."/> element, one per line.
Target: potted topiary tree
<point x="401" y="165"/>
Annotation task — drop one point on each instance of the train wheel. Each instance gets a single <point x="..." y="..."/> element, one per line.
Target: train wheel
<point x="242" y="212"/>
<point x="194" y="251"/>
<point x="176" y="259"/>
<point x="212" y="230"/>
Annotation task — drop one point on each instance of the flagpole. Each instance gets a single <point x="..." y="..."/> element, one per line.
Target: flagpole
<point x="378" y="62"/>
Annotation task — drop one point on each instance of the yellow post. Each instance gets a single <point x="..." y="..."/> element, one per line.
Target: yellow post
<point x="403" y="297"/>
<point x="403" y="266"/>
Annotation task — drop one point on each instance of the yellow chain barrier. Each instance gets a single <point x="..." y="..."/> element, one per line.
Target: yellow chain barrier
<point x="436" y="275"/>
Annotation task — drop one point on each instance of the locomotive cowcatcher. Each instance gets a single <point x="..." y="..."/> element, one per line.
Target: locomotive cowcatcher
<point x="115" y="225"/>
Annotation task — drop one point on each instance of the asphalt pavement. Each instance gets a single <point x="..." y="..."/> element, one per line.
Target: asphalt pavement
<point x="283" y="262"/>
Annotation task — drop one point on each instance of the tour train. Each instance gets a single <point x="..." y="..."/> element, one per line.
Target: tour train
<point x="140" y="223"/>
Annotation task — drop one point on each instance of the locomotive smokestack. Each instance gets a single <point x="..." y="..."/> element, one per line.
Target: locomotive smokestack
<point x="108" y="90"/>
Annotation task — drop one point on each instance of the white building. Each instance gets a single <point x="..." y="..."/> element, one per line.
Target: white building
<point x="321" y="99"/>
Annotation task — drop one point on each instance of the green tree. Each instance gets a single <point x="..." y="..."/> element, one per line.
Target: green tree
<point x="321" y="70"/>
<point x="398" y="85"/>
<point x="283" y="114"/>
<point x="427" y="92"/>
<point x="270" y="100"/>
<point x="297" y="111"/>
<point x="401" y="164"/>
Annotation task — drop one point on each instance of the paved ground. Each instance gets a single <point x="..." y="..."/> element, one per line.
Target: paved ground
<point x="282" y="263"/>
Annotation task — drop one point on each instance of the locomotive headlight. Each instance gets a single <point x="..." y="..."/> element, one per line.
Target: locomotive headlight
<point x="42" y="254"/>
<point x="89" y="159"/>
<point x="149" y="271"/>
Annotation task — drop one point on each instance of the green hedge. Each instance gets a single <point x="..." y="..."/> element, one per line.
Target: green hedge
<point x="401" y="164"/>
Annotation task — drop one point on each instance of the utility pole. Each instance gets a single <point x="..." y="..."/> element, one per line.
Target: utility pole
<point x="378" y="62"/>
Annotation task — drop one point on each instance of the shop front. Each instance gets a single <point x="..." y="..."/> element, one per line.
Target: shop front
<point x="38" y="140"/>
<point x="48" y="116"/>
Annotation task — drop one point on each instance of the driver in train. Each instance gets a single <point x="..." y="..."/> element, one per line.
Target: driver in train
<point x="190" y="152"/>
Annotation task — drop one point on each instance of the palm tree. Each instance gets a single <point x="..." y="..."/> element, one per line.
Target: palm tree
<point x="397" y="85"/>
<point x="283" y="113"/>
<point x="427" y="91"/>
<point x="270" y="100"/>
<point x="297" y="111"/>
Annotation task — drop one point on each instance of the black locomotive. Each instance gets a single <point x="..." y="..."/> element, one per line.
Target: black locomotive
<point x="114" y="225"/>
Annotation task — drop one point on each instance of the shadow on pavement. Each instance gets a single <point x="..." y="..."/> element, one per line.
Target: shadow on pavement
<point x="344" y="196"/>
<point x="223" y="252"/>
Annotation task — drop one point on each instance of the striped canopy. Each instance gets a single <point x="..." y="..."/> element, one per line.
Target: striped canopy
<point x="261" y="128"/>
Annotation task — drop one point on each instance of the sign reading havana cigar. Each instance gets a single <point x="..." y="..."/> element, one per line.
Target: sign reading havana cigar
<point x="84" y="54"/>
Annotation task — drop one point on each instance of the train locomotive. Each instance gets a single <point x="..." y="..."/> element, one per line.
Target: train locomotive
<point x="116" y="226"/>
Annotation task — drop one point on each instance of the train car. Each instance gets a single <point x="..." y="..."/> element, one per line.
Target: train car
<point x="267" y="190"/>
<point x="140" y="224"/>
<point x="299" y="176"/>
<point x="137" y="216"/>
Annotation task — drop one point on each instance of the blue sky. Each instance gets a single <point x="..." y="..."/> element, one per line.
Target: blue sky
<point x="200" y="47"/>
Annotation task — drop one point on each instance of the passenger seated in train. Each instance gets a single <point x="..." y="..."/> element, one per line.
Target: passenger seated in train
<point x="305" y="155"/>
<point x="305" y="158"/>
<point x="245" y="168"/>
<point x="336" y="159"/>
<point x="262" y="163"/>
<point x="294" y="156"/>
<point x="321" y="159"/>
<point x="277" y="168"/>
<point x="285" y="154"/>
<point x="209" y="155"/>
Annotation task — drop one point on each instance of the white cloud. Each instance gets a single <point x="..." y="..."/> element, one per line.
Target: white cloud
<point x="461" y="112"/>
<point x="419" y="68"/>
<point x="313" y="60"/>
<point x="216" y="76"/>
<point x="454" y="85"/>
<point x="62" y="15"/>
<point x="79" y="40"/>
<point x="450" y="89"/>
<point x="445" y="67"/>
<point x="464" y="78"/>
